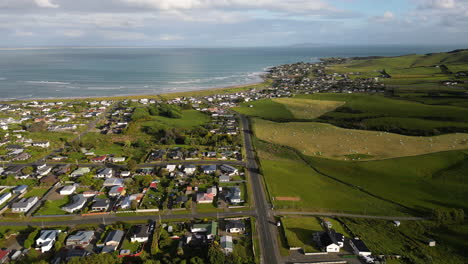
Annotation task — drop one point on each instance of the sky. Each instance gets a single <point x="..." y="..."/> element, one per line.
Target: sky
<point x="231" y="23"/>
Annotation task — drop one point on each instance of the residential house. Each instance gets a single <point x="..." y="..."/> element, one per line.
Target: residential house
<point x="80" y="239"/>
<point x="113" y="182"/>
<point x="20" y="189"/>
<point x="125" y="174"/>
<point x="170" y="168"/>
<point x="126" y="203"/>
<point x="80" y="172"/>
<point x="326" y="242"/>
<point x="190" y="169"/>
<point x="47" y="239"/>
<point x="24" y="205"/>
<point x="41" y="144"/>
<point x="235" y="226"/>
<point x="229" y="170"/>
<point x="210" y="229"/>
<point x="4" y="197"/>
<point x="4" y="256"/>
<point x="112" y="241"/>
<point x="76" y="204"/>
<point x="209" y="169"/>
<point x="226" y="244"/>
<point x="44" y="170"/>
<point x="105" y="173"/>
<point x="359" y="247"/>
<point x="116" y="191"/>
<point x="22" y="157"/>
<point x="140" y="234"/>
<point x="100" y="159"/>
<point x="68" y="189"/>
<point x="205" y="197"/>
<point x="100" y="205"/>
<point x="117" y="159"/>
<point x="224" y="178"/>
<point x="233" y="195"/>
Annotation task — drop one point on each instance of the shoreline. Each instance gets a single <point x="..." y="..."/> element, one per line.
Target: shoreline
<point x="239" y="87"/>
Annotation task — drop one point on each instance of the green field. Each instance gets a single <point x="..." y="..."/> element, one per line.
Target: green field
<point x="190" y="118"/>
<point x="326" y="140"/>
<point x="267" y="109"/>
<point x="421" y="182"/>
<point x="409" y="240"/>
<point x="300" y="230"/>
<point x="287" y="175"/>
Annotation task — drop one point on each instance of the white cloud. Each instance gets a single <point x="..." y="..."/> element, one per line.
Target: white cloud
<point x="169" y="37"/>
<point x="45" y="4"/>
<point x="20" y="33"/>
<point x="388" y="15"/>
<point x="73" y="33"/>
<point x="122" y="35"/>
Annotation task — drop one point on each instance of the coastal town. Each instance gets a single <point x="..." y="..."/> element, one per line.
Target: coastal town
<point x="101" y="165"/>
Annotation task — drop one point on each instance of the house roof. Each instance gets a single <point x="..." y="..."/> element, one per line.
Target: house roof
<point x="81" y="236"/>
<point x="360" y="245"/>
<point x="4" y="253"/>
<point x="141" y="231"/>
<point x="114" y="235"/>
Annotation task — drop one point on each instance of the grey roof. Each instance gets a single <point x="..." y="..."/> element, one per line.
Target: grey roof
<point x="360" y="245"/>
<point x="115" y="235"/>
<point x="81" y="236"/>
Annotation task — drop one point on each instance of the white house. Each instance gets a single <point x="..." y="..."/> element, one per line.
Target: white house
<point x="235" y="226"/>
<point x="229" y="170"/>
<point x="4" y="197"/>
<point x="113" y="182"/>
<point x="47" y="239"/>
<point x="170" y="168"/>
<point x="190" y="169"/>
<point x="209" y="169"/>
<point x="141" y="234"/>
<point x="117" y="159"/>
<point x="78" y="201"/>
<point x="125" y="174"/>
<point x="68" y="189"/>
<point x="24" y="205"/>
<point x="41" y="144"/>
<point x="226" y="244"/>
<point x="105" y="173"/>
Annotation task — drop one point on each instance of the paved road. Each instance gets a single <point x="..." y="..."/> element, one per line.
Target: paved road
<point x="112" y="218"/>
<point x="265" y="218"/>
<point x="401" y="218"/>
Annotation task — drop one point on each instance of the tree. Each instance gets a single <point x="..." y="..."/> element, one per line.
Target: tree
<point x="38" y="127"/>
<point x="197" y="260"/>
<point x="140" y="114"/>
<point x="27" y="170"/>
<point x="132" y="165"/>
<point x="215" y="255"/>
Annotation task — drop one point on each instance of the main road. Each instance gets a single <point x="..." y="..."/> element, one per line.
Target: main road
<point x="266" y="226"/>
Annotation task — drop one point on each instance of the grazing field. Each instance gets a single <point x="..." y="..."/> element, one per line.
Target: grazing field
<point x="287" y="175"/>
<point x="333" y="142"/>
<point x="299" y="232"/>
<point x="409" y="240"/>
<point x="421" y="182"/>
<point x="308" y="109"/>
<point x="267" y="109"/>
<point x="287" y="109"/>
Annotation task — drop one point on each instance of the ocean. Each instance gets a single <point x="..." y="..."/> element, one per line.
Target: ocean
<point x="91" y="72"/>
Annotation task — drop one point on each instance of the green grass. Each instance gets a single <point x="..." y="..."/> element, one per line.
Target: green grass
<point x="267" y="109"/>
<point x="39" y="192"/>
<point x="287" y="175"/>
<point x="420" y="182"/>
<point x="299" y="232"/>
<point x="408" y="240"/>
<point x="53" y="207"/>
<point x="190" y="118"/>
<point x="133" y="247"/>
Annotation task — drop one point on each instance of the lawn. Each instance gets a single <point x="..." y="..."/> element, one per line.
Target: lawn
<point x="133" y="247"/>
<point x="39" y="192"/>
<point x="53" y="207"/>
<point x="288" y="176"/>
<point x="408" y="240"/>
<point x="326" y="140"/>
<point x="299" y="232"/>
